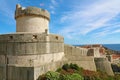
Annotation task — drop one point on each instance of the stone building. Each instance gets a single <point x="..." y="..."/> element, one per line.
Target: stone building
<point x="32" y="50"/>
<point x="26" y="54"/>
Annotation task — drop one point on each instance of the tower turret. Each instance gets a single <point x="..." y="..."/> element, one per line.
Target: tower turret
<point x="31" y="19"/>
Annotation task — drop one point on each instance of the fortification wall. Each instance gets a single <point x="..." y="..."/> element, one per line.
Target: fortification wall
<point x="104" y="65"/>
<point x="97" y="52"/>
<point x="29" y="73"/>
<point x="32" y="51"/>
<point x="23" y="53"/>
<point x="74" y="51"/>
<point x="38" y="53"/>
<point x="29" y="67"/>
<point x="28" y="43"/>
<point x="79" y="56"/>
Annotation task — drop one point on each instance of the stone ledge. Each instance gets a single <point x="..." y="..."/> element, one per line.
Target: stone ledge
<point x="30" y="37"/>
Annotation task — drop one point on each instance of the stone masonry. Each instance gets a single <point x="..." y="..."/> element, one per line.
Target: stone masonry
<point x="32" y="51"/>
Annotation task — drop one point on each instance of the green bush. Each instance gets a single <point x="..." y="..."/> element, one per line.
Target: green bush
<point x="70" y="66"/>
<point x="76" y="76"/>
<point x="59" y="70"/>
<point x="74" y="72"/>
<point x="73" y="76"/>
<point x="65" y="67"/>
<point x="52" y="75"/>
<point x="57" y="76"/>
<point x="74" y="66"/>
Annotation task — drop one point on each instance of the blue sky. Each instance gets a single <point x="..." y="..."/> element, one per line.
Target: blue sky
<point x="79" y="21"/>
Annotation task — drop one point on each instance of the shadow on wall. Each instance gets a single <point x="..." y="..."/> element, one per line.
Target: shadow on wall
<point x="103" y="64"/>
<point x="115" y="68"/>
<point x="90" y="52"/>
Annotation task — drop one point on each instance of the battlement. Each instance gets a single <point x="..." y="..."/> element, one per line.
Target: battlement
<point x="31" y="11"/>
<point x="32" y="51"/>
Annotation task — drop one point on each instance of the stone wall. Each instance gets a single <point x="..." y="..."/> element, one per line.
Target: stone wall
<point x="29" y="67"/>
<point x="104" y="65"/>
<point x="32" y="24"/>
<point x="20" y="73"/>
<point x="28" y="43"/>
<point x="2" y="72"/>
<point x="74" y="51"/>
<point x="88" y="58"/>
<point x="97" y="52"/>
<point x="34" y="54"/>
<point x="32" y="51"/>
<point x="79" y="56"/>
<point x="47" y="67"/>
<point x="25" y="53"/>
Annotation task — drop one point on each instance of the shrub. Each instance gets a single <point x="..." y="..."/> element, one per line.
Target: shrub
<point x="73" y="76"/>
<point x="74" y="72"/>
<point x="76" y="76"/>
<point x="42" y="77"/>
<point x="65" y="67"/>
<point x="59" y="70"/>
<point x="52" y="75"/>
<point x="74" y="66"/>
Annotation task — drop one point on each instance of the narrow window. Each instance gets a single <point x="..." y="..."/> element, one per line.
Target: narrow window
<point x="56" y="37"/>
<point x="11" y="37"/>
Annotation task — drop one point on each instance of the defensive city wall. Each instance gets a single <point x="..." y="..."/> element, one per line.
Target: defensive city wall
<point x="79" y="56"/>
<point x="32" y="51"/>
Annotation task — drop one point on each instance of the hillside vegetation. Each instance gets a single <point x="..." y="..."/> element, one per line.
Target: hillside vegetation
<point x="74" y="72"/>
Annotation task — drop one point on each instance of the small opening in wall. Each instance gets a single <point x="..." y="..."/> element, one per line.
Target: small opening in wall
<point x="11" y="37"/>
<point x="34" y="36"/>
<point x="56" y="37"/>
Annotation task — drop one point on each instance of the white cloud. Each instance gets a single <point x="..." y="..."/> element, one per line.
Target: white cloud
<point x="53" y="6"/>
<point x="42" y="4"/>
<point x="52" y="12"/>
<point x="92" y="17"/>
<point x="54" y="2"/>
<point x="117" y="31"/>
<point x="108" y="29"/>
<point x="5" y="9"/>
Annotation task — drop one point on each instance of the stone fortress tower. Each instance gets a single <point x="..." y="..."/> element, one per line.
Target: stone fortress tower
<point x="32" y="51"/>
<point x="31" y="19"/>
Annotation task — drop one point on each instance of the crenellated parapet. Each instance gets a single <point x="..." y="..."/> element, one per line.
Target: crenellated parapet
<point x="31" y="11"/>
<point x="32" y="51"/>
<point x="32" y="19"/>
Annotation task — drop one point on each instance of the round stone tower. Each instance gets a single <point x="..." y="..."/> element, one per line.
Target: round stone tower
<point x="31" y="19"/>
